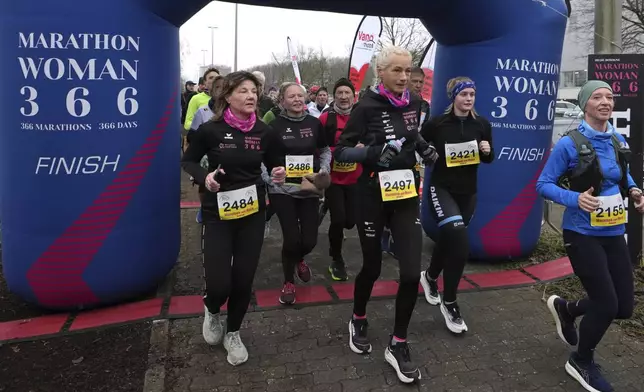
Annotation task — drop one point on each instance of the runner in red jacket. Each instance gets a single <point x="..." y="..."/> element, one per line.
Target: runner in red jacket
<point x="340" y="197"/>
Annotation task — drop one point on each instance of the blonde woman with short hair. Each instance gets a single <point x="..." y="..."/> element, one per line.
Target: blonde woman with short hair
<point x="382" y="135"/>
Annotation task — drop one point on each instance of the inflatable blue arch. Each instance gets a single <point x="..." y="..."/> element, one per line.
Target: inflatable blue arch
<point x="89" y="115"/>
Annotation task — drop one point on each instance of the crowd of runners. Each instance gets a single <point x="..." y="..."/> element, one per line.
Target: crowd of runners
<point x="255" y="152"/>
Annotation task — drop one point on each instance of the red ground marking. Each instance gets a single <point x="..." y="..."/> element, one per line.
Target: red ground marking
<point x="45" y="325"/>
<point x="118" y="314"/>
<point x="190" y="204"/>
<point x="303" y="295"/>
<point x="500" y="279"/>
<point x="384" y="288"/>
<point x="344" y="291"/>
<point x="462" y="285"/>
<point x="193" y="304"/>
<point x="188" y="304"/>
<point x="551" y="269"/>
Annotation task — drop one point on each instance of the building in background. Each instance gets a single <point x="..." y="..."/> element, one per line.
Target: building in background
<point x="578" y="44"/>
<point x="224" y="69"/>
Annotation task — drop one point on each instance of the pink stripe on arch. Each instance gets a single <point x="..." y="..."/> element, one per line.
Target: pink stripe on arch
<point x="56" y="277"/>
<point x="500" y="236"/>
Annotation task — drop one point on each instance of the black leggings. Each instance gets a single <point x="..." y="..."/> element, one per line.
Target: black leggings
<point x="604" y="267"/>
<point x="299" y="222"/>
<point x="341" y="201"/>
<point x="452" y="213"/>
<point x="270" y="211"/>
<point x="231" y="252"/>
<point x="402" y="217"/>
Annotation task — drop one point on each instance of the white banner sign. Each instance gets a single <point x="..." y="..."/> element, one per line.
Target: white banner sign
<point x="364" y="45"/>
<point x="427" y="64"/>
<point x="292" y="54"/>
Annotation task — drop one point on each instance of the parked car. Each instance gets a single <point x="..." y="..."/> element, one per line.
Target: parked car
<point x="562" y="107"/>
<point x="563" y="125"/>
<point x="574" y="113"/>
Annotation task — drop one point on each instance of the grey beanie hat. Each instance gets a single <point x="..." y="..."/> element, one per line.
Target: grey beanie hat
<point x="588" y="89"/>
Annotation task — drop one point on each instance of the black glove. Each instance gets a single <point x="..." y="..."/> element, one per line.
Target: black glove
<point x="428" y="154"/>
<point x="385" y="153"/>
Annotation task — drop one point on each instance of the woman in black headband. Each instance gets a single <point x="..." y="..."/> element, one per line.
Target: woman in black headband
<point x="463" y="139"/>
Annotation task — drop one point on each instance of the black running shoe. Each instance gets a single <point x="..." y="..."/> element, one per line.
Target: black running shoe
<point x="398" y="356"/>
<point x="566" y="327"/>
<point x="588" y="374"/>
<point x="337" y="270"/>
<point x="358" y="340"/>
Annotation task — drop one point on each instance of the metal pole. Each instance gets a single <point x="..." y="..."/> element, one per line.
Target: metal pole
<point x="608" y="26"/>
<point x="212" y="44"/>
<point x="203" y="52"/>
<point x="235" y="63"/>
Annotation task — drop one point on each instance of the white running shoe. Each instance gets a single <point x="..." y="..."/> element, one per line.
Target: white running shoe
<point x="213" y="330"/>
<point x="399" y="358"/>
<point x="237" y="353"/>
<point x="453" y="319"/>
<point x="430" y="289"/>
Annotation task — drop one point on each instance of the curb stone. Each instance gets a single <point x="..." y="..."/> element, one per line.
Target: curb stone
<point x="159" y="343"/>
<point x="157" y="354"/>
<point x="165" y="306"/>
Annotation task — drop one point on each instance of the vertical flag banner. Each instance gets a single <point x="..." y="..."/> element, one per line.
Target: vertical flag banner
<point x="292" y="54"/>
<point x="427" y="64"/>
<point x="364" y="45"/>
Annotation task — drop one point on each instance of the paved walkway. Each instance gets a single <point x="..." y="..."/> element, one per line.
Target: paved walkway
<point x="512" y="346"/>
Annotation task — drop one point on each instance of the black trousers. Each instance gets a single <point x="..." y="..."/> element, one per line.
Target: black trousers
<point x="231" y="251"/>
<point x="604" y="267"/>
<point x="402" y="217"/>
<point x="341" y="201"/>
<point x="299" y="222"/>
<point x="452" y="213"/>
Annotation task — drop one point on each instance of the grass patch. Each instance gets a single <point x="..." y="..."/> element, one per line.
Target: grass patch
<point x="550" y="247"/>
<point x="571" y="289"/>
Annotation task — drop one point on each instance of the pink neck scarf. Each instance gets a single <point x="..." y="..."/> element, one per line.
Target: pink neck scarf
<point x="235" y="122"/>
<point x="399" y="102"/>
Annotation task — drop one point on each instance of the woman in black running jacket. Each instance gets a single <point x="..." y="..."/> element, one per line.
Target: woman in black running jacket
<point x="462" y="139"/>
<point x="382" y="135"/>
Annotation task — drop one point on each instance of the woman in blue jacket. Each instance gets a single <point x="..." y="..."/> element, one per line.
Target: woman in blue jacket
<point x="593" y="229"/>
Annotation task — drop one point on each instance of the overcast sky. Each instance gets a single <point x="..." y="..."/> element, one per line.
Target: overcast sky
<point x="262" y="31"/>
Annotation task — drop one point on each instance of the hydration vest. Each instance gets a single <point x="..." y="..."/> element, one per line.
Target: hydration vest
<point x="587" y="173"/>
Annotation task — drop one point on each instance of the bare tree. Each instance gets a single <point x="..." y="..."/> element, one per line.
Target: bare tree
<point x="410" y="34"/>
<point x="315" y="68"/>
<point x="582" y="21"/>
<point x="633" y="26"/>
